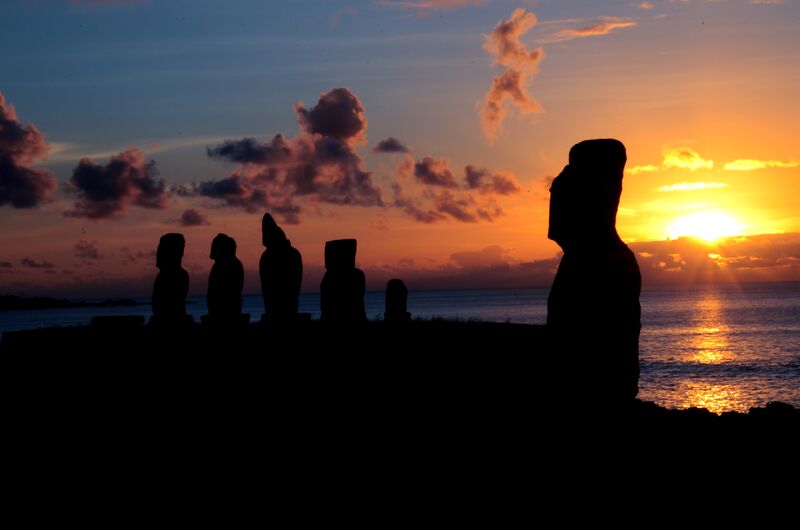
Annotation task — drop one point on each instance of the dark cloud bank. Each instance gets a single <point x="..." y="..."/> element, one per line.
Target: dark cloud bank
<point x="22" y="186"/>
<point x="104" y="191"/>
<point x="320" y="164"/>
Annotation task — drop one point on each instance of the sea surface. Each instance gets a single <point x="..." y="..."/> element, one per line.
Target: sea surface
<point x="719" y="347"/>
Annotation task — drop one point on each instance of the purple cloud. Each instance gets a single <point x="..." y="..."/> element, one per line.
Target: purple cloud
<point x="485" y="181"/>
<point x="21" y="186"/>
<point x="390" y="145"/>
<point x="435" y="172"/>
<point x="104" y="191"/>
<point x="86" y="250"/>
<point x="33" y="264"/>
<point x="192" y="217"/>
<point x="319" y="163"/>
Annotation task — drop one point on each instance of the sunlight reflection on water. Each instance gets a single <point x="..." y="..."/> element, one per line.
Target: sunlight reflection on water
<point x="721" y="353"/>
<point x="709" y="342"/>
<point x="716" y="398"/>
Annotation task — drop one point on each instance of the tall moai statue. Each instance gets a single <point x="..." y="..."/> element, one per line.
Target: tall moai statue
<point x="593" y="310"/>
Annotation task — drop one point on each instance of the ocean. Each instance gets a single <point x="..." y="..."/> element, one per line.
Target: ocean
<point x="724" y="348"/>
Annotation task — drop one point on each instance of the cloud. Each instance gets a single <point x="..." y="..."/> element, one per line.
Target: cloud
<point x="319" y="163"/>
<point x="249" y="151"/>
<point x="435" y="172"/>
<point x="768" y="257"/>
<point x="675" y="158"/>
<point x="104" y="191"/>
<point x="642" y="169"/>
<point x="688" y="158"/>
<point x="192" y="217"/>
<point x="412" y="208"/>
<point x="751" y="164"/>
<point x="488" y="257"/>
<point x="390" y="145"/>
<point x="603" y="27"/>
<point x="421" y="6"/>
<point x="490" y="267"/>
<point x="338" y="114"/>
<point x="441" y="196"/>
<point x="684" y="158"/>
<point x="33" y="264"/>
<point x="520" y="66"/>
<point x="405" y="167"/>
<point x="646" y="5"/>
<point x="767" y="2"/>
<point x="484" y="181"/>
<point x="458" y="208"/>
<point x="691" y="186"/>
<point x="86" y="250"/>
<point x="21" y="186"/>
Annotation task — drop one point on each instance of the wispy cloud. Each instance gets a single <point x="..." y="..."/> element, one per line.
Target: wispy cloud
<point x="604" y="26"/>
<point x="642" y="169"/>
<point x="430" y="5"/>
<point x="684" y="158"/>
<point x="675" y="158"/>
<point x="749" y="164"/>
<point x="691" y="186"/>
<point x="68" y="152"/>
<point x="520" y="66"/>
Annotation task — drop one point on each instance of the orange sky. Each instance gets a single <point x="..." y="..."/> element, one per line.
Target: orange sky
<point x="700" y="93"/>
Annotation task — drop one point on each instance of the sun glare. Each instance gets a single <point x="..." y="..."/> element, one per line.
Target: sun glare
<point x="708" y="226"/>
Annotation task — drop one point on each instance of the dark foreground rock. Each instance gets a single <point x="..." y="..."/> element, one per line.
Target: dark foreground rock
<point x="421" y="375"/>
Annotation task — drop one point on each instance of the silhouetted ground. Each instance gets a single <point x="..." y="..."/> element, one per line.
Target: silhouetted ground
<point x="376" y="379"/>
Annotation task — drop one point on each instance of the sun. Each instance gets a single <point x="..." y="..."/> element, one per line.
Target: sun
<point x="708" y="226"/>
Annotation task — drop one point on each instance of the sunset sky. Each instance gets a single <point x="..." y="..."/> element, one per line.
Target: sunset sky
<point x="428" y="130"/>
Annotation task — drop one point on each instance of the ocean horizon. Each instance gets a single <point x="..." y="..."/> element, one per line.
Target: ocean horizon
<point x="721" y="347"/>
